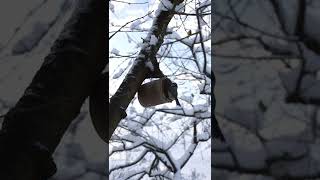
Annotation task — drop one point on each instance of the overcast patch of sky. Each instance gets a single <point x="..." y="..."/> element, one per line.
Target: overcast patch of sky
<point x="122" y="14"/>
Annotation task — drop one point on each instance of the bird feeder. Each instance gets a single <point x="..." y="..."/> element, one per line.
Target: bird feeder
<point x="149" y="94"/>
<point x="154" y="93"/>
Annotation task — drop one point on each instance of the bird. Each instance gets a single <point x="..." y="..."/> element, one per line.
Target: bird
<point x="172" y="90"/>
<point x="189" y="33"/>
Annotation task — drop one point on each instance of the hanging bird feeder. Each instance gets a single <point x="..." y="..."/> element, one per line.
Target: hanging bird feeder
<point x="157" y="92"/>
<point x="152" y="93"/>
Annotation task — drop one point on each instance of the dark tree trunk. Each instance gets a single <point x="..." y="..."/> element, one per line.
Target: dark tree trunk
<point x="33" y="128"/>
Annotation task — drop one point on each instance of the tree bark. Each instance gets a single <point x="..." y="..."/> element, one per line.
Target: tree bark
<point x="33" y="128"/>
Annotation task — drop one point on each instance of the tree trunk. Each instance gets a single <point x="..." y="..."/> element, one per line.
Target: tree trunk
<point x="33" y="128"/>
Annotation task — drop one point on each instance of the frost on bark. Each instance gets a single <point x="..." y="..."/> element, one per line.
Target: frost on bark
<point x="33" y="128"/>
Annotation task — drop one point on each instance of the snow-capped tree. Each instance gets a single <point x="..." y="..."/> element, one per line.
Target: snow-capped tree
<point x="162" y="141"/>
